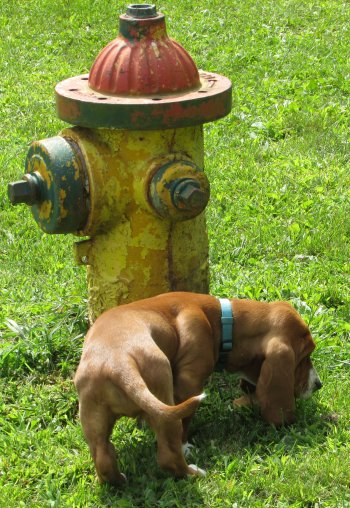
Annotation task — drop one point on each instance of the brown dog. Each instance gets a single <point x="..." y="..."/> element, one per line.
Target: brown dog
<point x="142" y="358"/>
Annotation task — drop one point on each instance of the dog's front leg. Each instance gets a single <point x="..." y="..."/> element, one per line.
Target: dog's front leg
<point x="185" y="431"/>
<point x="249" y="399"/>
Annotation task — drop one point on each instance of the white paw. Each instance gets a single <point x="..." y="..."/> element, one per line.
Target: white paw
<point x="124" y="477"/>
<point x="186" y="448"/>
<point x="197" y="470"/>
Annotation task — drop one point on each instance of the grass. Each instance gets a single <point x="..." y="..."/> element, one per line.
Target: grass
<point x="278" y="224"/>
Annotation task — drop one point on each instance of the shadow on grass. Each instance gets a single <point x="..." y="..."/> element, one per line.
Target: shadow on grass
<point x="240" y="430"/>
<point x="219" y="432"/>
<point x="147" y="492"/>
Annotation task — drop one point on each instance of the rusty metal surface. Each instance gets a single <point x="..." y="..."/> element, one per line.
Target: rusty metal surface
<point x="143" y="60"/>
<point x="55" y="185"/>
<point x="179" y="190"/>
<point x="78" y="104"/>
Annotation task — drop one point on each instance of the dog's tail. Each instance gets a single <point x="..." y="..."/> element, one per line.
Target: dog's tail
<point x="180" y="411"/>
<point x="148" y="402"/>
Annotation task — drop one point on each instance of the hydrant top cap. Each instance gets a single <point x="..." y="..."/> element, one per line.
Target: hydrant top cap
<point x="143" y="80"/>
<point x="143" y="60"/>
<point x="141" y="10"/>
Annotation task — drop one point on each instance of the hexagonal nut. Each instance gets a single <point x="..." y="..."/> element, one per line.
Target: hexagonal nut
<point x="23" y="191"/>
<point x="188" y="195"/>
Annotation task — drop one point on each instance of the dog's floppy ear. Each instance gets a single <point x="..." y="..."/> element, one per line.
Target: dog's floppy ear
<point x="275" y="386"/>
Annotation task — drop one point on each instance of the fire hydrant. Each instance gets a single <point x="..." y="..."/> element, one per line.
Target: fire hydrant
<point x="129" y="175"/>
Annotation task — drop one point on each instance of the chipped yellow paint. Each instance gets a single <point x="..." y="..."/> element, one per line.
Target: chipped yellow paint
<point x="132" y="253"/>
<point x="62" y="197"/>
<point x="155" y="49"/>
<point x="38" y="164"/>
<point x="77" y="169"/>
<point x="45" y="210"/>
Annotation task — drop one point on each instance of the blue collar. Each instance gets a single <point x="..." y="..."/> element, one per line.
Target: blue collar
<point x="227" y="322"/>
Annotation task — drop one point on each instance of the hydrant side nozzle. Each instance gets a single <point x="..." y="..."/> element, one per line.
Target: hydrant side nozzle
<point x="178" y="190"/>
<point x="54" y="186"/>
<point x="25" y="191"/>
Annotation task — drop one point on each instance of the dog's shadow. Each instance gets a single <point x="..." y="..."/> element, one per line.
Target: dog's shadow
<point x="241" y="429"/>
<point x="147" y="485"/>
<point x="218" y="430"/>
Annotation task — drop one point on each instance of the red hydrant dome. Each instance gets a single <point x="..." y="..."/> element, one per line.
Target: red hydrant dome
<point x="143" y="60"/>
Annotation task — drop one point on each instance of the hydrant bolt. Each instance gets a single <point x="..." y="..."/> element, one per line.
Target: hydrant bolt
<point x="179" y="190"/>
<point x="25" y="191"/>
<point x="188" y="194"/>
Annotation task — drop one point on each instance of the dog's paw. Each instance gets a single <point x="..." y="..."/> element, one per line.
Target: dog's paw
<point x="243" y="401"/>
<point x="116" y="481"/>
<point x="124" y="478"/>
<point x="187" y="448"/>
<point x="120" y="481"/>
<point x="197" y="471"/>
<point x="247" y="400"/>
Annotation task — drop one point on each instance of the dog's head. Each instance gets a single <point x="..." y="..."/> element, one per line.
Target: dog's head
<point x="287" y="371"/>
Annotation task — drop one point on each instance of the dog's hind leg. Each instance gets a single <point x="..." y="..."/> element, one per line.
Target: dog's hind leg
<point x="170" y="455"/>
<point x="97" y="422"/>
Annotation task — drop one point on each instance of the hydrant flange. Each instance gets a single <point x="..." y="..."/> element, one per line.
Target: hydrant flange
<point x="78" y="104"/>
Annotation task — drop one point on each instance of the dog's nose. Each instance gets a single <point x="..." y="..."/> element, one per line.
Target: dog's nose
<point x="318" y="384"/>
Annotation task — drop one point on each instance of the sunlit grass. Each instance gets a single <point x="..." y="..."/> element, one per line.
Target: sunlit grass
<point x="278" y="224"/>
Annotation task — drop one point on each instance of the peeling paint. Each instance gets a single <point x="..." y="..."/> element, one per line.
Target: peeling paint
<point x="62" y="197"/>
<point x="210" y="100"/>
<point x="45" y="210"/>
<point x="56" y="164"/>
<point x="132" y="252"/>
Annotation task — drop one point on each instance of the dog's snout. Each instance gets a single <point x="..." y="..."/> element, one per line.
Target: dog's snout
<point x="314" y="383"/>
<point x="314" y="380"/>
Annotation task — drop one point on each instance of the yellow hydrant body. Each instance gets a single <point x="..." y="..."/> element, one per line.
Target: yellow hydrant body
<point x="133" y="252"/>
<point x="129" y="175"/>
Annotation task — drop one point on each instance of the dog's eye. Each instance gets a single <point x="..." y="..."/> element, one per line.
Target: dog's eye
<point x="305" y="363"/>
<point x="307" y="335"/>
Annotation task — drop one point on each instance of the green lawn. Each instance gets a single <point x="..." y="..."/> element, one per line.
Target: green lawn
<point x="279" y="228"/>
